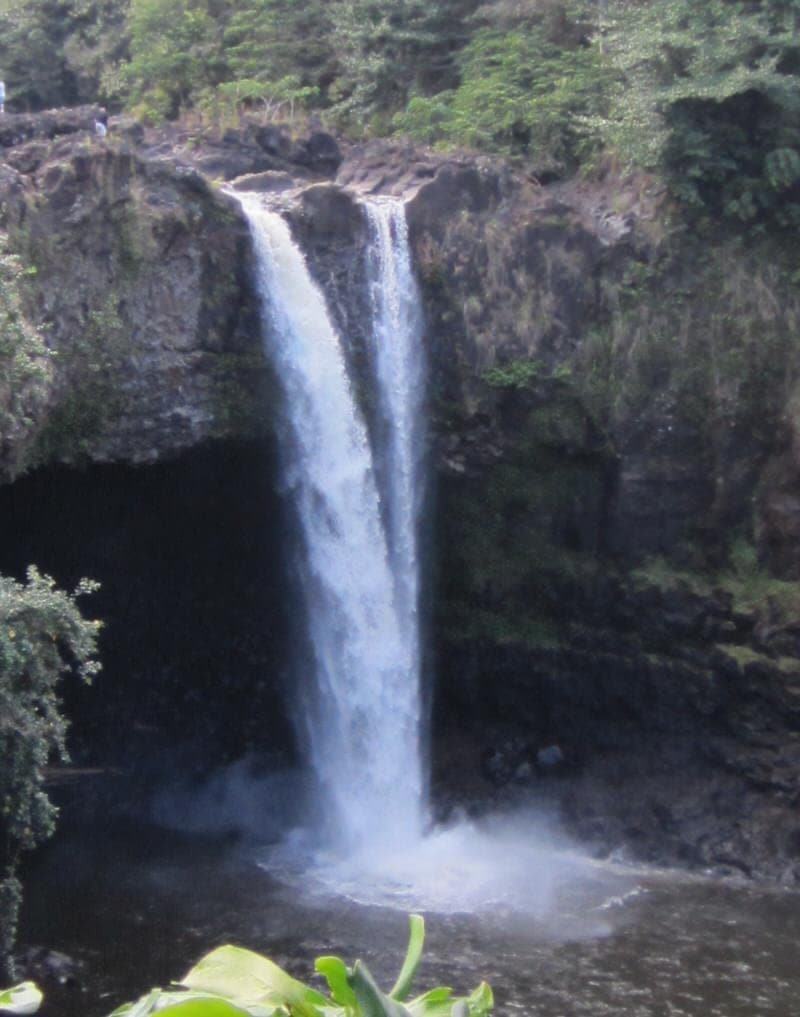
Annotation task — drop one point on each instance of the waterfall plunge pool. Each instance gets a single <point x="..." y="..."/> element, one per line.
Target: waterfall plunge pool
<point x="137" y="905"/>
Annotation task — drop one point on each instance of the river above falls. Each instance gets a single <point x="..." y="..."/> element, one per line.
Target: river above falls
<point x="136" y="906"/>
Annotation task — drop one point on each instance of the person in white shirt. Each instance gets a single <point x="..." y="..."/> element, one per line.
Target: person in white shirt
<point x="2" y="96"/>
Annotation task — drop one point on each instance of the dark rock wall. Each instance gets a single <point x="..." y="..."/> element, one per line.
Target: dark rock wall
<point x="140" y="274"/>
<point x="191" y="562"/>
<point x="616" y="585"/>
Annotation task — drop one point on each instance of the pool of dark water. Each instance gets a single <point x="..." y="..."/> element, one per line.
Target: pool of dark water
<point x="135" y="906"/>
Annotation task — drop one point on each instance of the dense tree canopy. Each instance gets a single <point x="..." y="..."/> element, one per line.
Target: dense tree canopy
<point x="707" y="95"/>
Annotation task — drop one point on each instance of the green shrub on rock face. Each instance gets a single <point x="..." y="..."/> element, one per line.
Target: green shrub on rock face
<point x="42" y="636"/>
<point x="233" y="982"/>
<point x="515" y="374"/>
<point x="25" y="361"/>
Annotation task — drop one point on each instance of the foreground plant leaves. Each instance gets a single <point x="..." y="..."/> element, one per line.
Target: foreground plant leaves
<point x="371" y="1001"/>
<point x="416" y="941"/>
<point x="189" y="1004"/>
<point x="337" y="975"/>
<point x="234" y="982"/>
<point x="22" y="999"/>
<point x="440" y="1003"/>
<point x="248" y="979"/>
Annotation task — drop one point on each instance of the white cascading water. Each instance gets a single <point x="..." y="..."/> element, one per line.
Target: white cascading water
<point x="399" y="364"/>
<point x="357" y="503"/>
<point x="359" y="564"/>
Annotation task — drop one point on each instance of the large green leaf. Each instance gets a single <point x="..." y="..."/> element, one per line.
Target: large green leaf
<point x="23" y="998"/>
<point x="336" y="974"/>
<point x="434" y="1003"/>
<point x="416" y="941"/>
<point x="192" y="1004"/>
<point x="371" y="1001"/>
<point x="250" y="980"/>
<point x="207" y="1006"/>
<point x="440" y="1003"/>
<point x="481" y="1001"/>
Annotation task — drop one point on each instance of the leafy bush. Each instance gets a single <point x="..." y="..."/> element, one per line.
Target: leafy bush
<point x="42" y="636"/>
<point x="174" y="51"/>
<point x="525" y="89"/>
<point x="709" y="94"/>
<point x="233" y="982"/>
<point x="516" y="374"/>
<point x="60" y="52"/>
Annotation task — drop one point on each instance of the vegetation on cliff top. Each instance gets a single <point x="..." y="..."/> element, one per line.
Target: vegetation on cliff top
<point x="707" y="95"/>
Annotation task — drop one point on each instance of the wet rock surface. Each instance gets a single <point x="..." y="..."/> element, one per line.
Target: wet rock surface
<point x="652" y="739"/>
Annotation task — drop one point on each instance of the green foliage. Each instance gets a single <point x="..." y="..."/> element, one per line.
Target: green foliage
<point x="21" y="999"/>
<point x="516" y="374"/>
<point x="233" y="982"/>
<point x="25" y="361"/>
<point x="90" y="385"/>
<point x="175" y="52"/>
<point x="388" y="51"/>
<point x="753" y="587"/>
<point x="278" y="52"/>
<point x="42" y="636"/>
<point x="522" y="90"/>
<point x="746" y="578"/>
<point x="709" y="94"/>
<point x="60" y="52"/>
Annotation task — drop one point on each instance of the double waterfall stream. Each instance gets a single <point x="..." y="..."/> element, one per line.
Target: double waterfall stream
<point x="356" y="498"/>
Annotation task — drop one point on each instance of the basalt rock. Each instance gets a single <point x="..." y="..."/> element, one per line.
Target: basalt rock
<point x="141" y="294"/>
<point x="17" y="128"/>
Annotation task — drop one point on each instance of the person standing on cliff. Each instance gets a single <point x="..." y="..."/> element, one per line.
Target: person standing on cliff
<point x="2" y="96"/>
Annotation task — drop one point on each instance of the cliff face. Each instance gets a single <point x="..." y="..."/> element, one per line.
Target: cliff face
<point x="617" y="578"/>
<point x="614" y="427"/>
<point x="138" y="293"/>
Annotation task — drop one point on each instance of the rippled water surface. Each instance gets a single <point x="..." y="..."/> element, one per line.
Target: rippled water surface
<point x="136" y="907"/>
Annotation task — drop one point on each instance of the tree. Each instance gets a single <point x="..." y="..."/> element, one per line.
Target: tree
<point x="391" y="49"/>
<point x="528" y="75"/>
<point x="31" y="52"/>
<point x="60" y="52"/>
<point x="176" y="53"/>
<point x="278" y="40"/>
<point x="709" y="94"/>
<point x="42" y="636"/>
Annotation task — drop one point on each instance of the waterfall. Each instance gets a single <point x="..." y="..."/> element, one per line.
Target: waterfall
<point x="399" y="366"/>
<point x="357" y="523"/>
